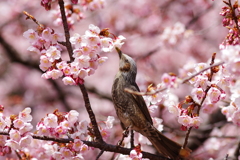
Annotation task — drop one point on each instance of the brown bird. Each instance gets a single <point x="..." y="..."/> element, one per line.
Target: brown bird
<point x="132" y="110"/>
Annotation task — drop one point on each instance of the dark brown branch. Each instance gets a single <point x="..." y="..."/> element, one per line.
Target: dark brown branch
<point x="90" y="113"/>
<point x="66" y="29"/>
<point x="100" y="145"/>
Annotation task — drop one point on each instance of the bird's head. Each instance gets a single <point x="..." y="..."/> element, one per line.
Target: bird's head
<point x="127" y="66"/>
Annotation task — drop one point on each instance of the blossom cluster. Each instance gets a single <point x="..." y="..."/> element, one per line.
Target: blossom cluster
<point x="231" y="13"/>
<point x="171" y="35"/>
<point x="208" y="89"/>
<point x="74" y="10"/>
<point x="231" y="56"/>
<point x="54" y="125"/>
<point x="86" y="54"/>
<point x="18" y="127"/>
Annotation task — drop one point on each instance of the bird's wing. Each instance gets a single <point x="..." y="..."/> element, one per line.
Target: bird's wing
<point x="141" y="103"/>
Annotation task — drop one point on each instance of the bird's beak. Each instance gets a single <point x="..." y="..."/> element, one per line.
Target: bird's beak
<point x="119" y="52"/>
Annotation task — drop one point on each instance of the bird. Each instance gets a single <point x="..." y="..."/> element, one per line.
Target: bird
<point x="133" y="113"/>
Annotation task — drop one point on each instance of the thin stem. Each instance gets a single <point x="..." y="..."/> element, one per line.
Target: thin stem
<point x="66" y="29"/>
<point x="90" y="113"/>
<point x="186" y="138"/>
<point x="234" y="16"/>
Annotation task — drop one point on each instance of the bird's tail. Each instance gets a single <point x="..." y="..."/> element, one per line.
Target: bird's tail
<point x="165" y="145"/>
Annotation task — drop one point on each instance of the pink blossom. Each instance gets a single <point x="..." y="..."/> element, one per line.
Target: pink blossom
<point x="72" y="116"/>
<point x="77" y="52"/>
<point x="53" y="53"/>
<point x="45" y="62"/>
<point x="105" y="133"/>
<point x="46" y="34"/>
<point x="18" y="123"/>
<point x="236" y="118"/>
<point x="86" y="49"/>
<point x="109" y="122"/>
<point x="68" y="81"/>
<point x="185" y="120"/>
<point x="229" y="111"/>
<point x="55" y="74"/>
<point x="107" y="44"/>
<point x="200" y="66"/>
<point x="93" y="41"/>
<point x="201" y="81"/>
<point x="15" y="135"/>
<point x="208" y="108"/>
<point x="26" y="128"/>
<point x="83" y="61"/>
<point x="83" y="148"/>
<point x="25" y="115"/>
<point x="31" y="35"/>
<point x="67" y="70"/>
<point x="57" y="37"/>
<point x="76" y="40"/>
<point x="198" y="93"/>
<point x="93" y="65"/>
<point x="101" y="60"/>
<point x="13" y="144"/>
<point x="135" y="155"/>
<point x="93" y="30"/>
<point x="51" y="120"/>
<point x="195" y="122"/>
<point x="214" y="95"/>
<point x="26" y="141"/>
<point x="2" y="124"/>
<point x="82" y="73"/>
<point x="168" y="80"/>
<point x="61" y="65"/>
<point x="82" y="126"/>
<point x="157" y="122"/>
<point x="118" y="43"/>
<point x="34" y="49"/>
<point x="77" y="144"/>
<point x="153" y="108"/>
<point x="43" y="130"/>
<point x="61" y="129"/>
<point x="66" y="153"/>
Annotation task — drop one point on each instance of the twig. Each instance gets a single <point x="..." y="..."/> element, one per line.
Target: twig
<point x="237" y="151"/>
<point x="132" y="139"/>
<point x="186" y="138"/>
<point x="124" y="135"/>
<point x="234" y="15"/>
<point x="183" y="81"/>
<point x="99" y="155"/>
<point x="66" y="29"/>
<point x="29" y="16"/>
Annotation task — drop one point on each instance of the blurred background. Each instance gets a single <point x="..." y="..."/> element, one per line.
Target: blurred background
<point x="162" y="36"/>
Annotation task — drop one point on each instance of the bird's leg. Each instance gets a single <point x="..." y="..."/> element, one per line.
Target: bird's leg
<point x="132" y="139"/>
<point x="125" y="134"/>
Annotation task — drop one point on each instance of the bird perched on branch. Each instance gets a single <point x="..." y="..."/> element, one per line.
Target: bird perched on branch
<point x="133" y="113"/>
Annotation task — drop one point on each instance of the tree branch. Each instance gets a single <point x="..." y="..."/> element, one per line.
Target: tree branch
<point x="101" y="145"/>
<point x="90" y="113"/>
<point x="66" y="29"/>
